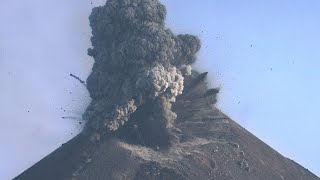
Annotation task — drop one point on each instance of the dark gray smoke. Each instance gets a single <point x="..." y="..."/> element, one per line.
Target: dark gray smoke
<point x="138" y="61"/>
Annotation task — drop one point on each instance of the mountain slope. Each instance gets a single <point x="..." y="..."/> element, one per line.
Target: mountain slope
<point x="211" y="146"/>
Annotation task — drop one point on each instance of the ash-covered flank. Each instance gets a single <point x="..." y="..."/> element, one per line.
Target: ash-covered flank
<point x="140" y="67"/>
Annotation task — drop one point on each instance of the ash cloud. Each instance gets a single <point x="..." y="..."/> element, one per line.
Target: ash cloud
<point x="138" y="61"/>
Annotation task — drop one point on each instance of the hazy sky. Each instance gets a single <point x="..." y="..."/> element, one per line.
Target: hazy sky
<point x="263" y="54"/>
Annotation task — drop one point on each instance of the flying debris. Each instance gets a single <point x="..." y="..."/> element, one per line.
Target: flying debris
<point x="211" y="92"/>
<point x="202" y="77"/>
<point x="77" y="78"/>
<point x="71" y="117"/>
<point x="199" y="79"/>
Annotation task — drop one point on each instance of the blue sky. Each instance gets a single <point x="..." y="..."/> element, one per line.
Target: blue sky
<point x="263" y="54"/>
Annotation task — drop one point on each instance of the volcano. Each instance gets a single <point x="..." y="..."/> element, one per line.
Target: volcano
<point x="151" y="115"/>
<point x="212" y="146"/>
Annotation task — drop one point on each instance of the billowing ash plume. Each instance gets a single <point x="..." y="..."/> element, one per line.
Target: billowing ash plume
<point x="137" y="61"/>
